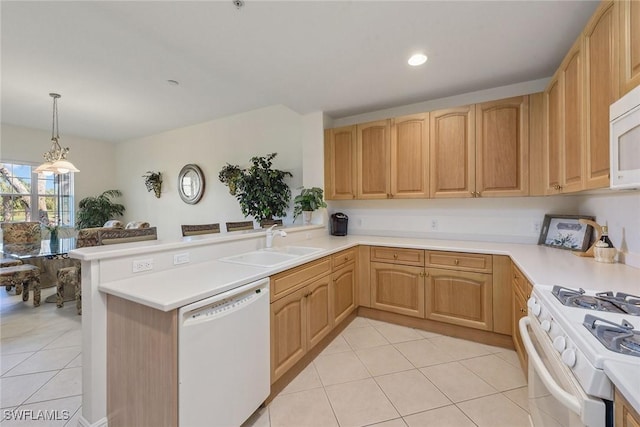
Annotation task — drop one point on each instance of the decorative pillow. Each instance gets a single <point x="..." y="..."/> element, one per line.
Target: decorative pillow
<point x="137" y="224"/>
<point x="114" y="223"/>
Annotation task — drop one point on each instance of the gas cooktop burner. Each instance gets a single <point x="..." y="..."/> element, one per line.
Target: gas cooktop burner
<point x="620" y="338"/>
<point x="602" y="301"/>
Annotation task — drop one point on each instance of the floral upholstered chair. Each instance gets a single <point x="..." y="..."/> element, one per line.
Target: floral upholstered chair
<point x="70" y="276"/>
<point x="22" y="237"/>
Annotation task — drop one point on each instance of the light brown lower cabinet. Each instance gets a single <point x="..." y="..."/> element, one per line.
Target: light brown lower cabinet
<point x="397" y="288"/>
<point x="520" y="294"/>
<point x="459" y="297"/>
<point x="343" y="290"/>
<point x="298" y="322"/>
<point x="624" y="414"/>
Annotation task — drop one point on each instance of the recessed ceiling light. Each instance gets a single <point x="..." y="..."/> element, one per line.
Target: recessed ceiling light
<point x="417" y="59"/>
<point x="173" y="82"/>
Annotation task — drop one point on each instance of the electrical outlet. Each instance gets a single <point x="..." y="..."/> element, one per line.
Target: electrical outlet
<point x="434" y="224"/>
<point x="536" y="227"/>
<point x="182" y="258"/>
<point x="142" y="265"/>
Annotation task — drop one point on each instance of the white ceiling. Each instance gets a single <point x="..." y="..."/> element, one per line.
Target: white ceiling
<point x="111" y="60"/>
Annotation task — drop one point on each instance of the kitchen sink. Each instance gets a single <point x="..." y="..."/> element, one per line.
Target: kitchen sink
<point x="294" y="250"/>
<point x="270" y="257"/>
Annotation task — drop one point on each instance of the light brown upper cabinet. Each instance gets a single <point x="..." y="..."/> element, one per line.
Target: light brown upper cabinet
<point x="481" y="150"/>
<point x="340" y="163"/>
<point x="601" y="89"/>
<point x="564" y="142"/>
<point x="373" y="160"/>
<point x="452" y="152"/>
<point x="410" y="156"/>
<point x="552" y="105"/>
<point x="502" y="147"/>
<point x="629" y="37"/>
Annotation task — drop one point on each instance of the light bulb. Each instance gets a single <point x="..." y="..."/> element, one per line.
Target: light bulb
<point x="417" y="59"/>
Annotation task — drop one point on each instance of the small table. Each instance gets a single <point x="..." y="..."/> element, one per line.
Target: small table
<point x="48" y="256"/>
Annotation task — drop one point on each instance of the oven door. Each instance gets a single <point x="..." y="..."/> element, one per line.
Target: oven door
<point x="555" y="396"/>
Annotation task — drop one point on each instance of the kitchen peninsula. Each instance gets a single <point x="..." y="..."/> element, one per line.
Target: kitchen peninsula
<point x="107" y="271"/>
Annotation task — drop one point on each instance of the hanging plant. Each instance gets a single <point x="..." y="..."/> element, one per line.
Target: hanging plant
<point x="153" y="181"/>
<point x="229" y="176"/>
<point x="261" y="190"/>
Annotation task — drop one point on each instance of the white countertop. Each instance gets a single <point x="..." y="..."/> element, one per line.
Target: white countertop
<point x="168" y="290"/>
<point x="626" y="378"/>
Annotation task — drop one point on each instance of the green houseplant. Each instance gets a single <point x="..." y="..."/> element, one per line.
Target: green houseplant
<point x="306" y="202"/>
<point x="153" y="182"/>
<point x="260" y="189"/>
<point x="95" y="211"/>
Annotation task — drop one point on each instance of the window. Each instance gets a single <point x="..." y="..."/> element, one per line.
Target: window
<point x="29" y="196"/>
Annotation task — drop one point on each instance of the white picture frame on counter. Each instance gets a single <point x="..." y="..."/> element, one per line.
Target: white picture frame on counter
<point x="566" y="232"/>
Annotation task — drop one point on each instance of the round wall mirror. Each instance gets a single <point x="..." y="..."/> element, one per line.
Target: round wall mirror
<point x="191" y="184"/>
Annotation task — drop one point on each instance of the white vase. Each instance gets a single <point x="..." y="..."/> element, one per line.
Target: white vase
<point x="306" y="217"/>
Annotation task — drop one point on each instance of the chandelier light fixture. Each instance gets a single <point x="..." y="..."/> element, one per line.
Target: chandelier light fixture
<point x="56" y="158"/>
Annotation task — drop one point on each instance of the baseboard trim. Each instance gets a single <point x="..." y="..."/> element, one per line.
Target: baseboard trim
<point x="82" y="422"/>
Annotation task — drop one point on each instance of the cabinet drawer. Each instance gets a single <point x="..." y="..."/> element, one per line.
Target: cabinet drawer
<point x="285" y="282"/>
<point x="520" y="283"/>
<point x="460" y="261"/>
<point x="399" y="256"/>
<point x="344" y="257"/>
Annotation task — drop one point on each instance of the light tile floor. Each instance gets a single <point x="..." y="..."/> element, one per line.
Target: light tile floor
<point x="40" y="362"/>
<point x="384" y="375"/>
<point x="373" y="374"/>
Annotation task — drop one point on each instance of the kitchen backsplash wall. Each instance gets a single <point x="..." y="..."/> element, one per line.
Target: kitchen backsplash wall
<point x="513" y="220"/>
<point x="620" y="211"/>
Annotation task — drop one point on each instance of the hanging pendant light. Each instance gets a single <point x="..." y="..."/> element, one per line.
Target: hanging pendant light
<point x="56" y="158"/>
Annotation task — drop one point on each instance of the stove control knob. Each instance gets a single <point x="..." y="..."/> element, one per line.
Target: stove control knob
<point x="559" y="343"/>
<point x="535" y="309"/>
<point x="546" y="325"/>
<point x="569" y="357"/>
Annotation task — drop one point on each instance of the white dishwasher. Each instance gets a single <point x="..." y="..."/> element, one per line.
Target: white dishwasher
<point x="223" y="357"/>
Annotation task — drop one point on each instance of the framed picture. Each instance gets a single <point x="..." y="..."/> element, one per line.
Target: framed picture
<point x="566" y="232"/>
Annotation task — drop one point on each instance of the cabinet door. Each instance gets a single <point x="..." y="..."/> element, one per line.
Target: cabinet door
<point x="288" y="332"/>
<point x="572" y="138"/>
<point x="373" y="151"/>
<point x="629" y="45"/>
<point x="460" y="297"/>
<point x="519" y="311"/>
<point x="410" y="156"/>
<point x="625" y="415"/>
<point x="601" y="89"/>
<point x="397" y="288"/>
<point x="552" y="136"/>
<point x="318" y="311"/>
<point x="340" y="163"/>
<point x="343" y="292"/>
<point x="502" y="147"/>
<point x="452" y="153"/>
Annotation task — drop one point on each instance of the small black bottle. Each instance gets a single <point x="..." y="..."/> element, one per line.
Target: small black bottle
<point x="605" y="237"/>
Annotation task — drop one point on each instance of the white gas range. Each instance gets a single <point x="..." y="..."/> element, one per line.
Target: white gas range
<point x="568" y="383"/>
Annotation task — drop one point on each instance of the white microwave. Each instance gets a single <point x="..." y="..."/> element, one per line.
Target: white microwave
<point x="624" y="131"/>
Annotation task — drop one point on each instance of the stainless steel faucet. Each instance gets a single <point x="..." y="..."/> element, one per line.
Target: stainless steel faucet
<point x="271" y="233"/>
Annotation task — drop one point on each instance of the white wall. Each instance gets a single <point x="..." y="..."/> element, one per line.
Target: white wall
<point x="515" y="220"/>
<point x="210" y="145"/>
<point x="95" y="159"/>
<point x="620" y="211"/>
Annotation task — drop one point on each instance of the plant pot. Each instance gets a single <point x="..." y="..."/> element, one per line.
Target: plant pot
<point x="306" y="217"/>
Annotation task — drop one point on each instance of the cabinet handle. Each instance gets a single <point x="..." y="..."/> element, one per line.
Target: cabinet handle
<point x="426" y="273"/>
<point x="395" y="256"/>
<point x="346" y="258"/>
<point x="456" y="262"/>
<point x="307" y="294"/>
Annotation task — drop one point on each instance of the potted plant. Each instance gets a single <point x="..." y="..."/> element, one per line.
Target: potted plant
<point x="95" y="211"/>
<point x="153" y="181"/>
<point x="260" y="189"/>
<point x="306" y="202"/>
